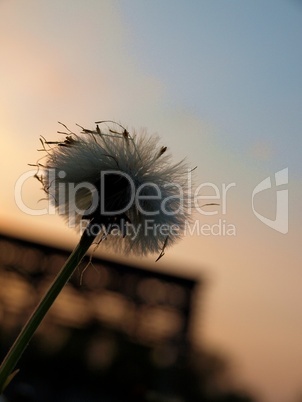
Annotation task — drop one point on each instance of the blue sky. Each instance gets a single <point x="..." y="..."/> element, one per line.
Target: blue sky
<point x="220" y="82"/>
<point x="234" y="64"/>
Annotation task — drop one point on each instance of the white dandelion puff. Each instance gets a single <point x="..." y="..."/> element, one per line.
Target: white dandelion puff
<point x="125" y="185"/>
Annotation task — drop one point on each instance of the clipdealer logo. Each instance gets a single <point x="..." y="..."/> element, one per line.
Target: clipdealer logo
<point x="206" y="194"/>
<point x="280" y="223"/>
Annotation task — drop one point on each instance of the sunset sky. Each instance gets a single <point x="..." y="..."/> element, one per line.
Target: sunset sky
<point x="220" y="82"/>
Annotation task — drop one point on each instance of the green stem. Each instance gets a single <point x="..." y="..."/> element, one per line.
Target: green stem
<point x="20" y="344"/>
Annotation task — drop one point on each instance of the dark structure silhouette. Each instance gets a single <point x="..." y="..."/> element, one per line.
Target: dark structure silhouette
<point x="116" y="333"/>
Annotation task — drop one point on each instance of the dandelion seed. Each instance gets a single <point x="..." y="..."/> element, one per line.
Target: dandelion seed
<point x="124" y="185"/>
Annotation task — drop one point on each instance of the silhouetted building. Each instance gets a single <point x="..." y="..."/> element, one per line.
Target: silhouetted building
<point x="106" y="303"/>
<point x="116" y="333"/>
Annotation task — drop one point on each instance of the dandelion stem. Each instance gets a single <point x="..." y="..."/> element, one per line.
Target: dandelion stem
<point x="10" y="361"/>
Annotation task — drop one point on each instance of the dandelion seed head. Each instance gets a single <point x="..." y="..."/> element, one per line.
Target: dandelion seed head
<point x="109" y="168"/>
